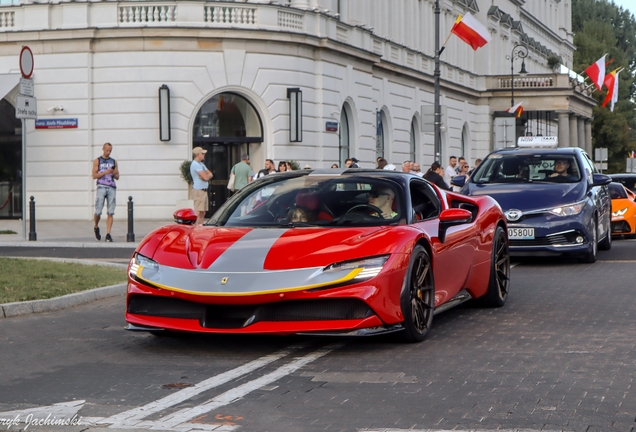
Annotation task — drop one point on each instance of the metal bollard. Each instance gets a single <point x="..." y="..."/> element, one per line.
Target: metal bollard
<point x="33" y="236"/>
<point x="130" y="237"/>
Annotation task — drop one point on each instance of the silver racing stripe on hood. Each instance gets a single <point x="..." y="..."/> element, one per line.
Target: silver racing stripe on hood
<point x="239" y="271"/>
<point x="248" y="253"/>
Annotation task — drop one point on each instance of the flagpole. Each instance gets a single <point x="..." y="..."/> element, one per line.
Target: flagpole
<point x="437" y="129"/>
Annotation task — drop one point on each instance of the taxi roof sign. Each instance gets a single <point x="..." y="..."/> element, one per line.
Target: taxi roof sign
<point x="538" y="141"/>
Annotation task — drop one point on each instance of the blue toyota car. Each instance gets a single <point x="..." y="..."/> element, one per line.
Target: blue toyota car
<point x="553" y="198"/>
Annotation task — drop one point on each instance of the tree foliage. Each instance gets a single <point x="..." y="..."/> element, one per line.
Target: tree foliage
<point x="600" y="27"/>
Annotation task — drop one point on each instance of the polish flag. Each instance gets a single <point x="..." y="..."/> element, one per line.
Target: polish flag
<point x="518" y="109"/>
<point x="611" y="82"/>
<point x="471" y="31"/>
<point x="596" y="72"/>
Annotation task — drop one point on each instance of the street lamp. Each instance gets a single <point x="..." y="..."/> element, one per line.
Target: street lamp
<point x="518" y="51"/>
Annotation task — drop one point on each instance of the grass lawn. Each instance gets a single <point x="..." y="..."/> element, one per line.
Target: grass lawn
<point x="28" y="279"/>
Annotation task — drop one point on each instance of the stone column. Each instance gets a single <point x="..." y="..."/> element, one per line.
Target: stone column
<point x="574" y="136"/>
<point x="588" y="137"/>
<point x="302" y="4"/>
<point x="580" y="126"/>
<point x="564" y="129"/>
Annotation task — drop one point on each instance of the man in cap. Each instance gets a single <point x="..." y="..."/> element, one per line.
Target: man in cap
<point x="354" y="163"/>
<point x="200" y="176"/>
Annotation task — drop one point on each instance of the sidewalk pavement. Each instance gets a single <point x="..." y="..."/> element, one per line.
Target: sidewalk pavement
<point x="73" y="233"/>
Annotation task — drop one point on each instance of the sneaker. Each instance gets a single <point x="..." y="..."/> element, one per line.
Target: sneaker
<point x="97" y="234"/>
<point x="109" y="238"/>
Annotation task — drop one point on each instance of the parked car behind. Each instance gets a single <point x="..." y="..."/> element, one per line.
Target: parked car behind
<point x="623" y="211"/>
<point x="553" y="198"/>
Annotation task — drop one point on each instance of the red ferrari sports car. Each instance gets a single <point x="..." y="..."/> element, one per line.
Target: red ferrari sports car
<point x="348" y="251"/>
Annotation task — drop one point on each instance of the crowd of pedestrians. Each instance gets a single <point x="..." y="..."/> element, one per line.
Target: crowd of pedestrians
<point x="436" y="173"/>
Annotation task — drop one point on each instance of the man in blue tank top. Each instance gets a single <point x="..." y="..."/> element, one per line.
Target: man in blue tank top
<point x="105" y="171"/>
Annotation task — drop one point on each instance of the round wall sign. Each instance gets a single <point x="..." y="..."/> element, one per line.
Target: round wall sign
<point x="26" y="62"/>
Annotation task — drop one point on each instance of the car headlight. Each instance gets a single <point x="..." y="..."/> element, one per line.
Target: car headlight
<point x="619" y="213"/>
<point x="139" y="260"/>
<point x="370" y="267"/>
<point x="568" y="210"/>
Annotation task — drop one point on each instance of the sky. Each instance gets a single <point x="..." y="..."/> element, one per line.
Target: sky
<point x="630" y="5"/>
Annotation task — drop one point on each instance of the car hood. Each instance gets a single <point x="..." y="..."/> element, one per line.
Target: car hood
<point x="246" y="261"/>
<point x="529" y="196"/>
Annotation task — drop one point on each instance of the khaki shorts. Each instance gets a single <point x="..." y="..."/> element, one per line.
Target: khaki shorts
<point x="200" y="198"/>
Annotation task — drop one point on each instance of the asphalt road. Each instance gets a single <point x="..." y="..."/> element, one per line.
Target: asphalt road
<point x="558" y="357"/>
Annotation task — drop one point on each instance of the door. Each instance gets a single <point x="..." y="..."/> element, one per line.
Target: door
<point x="220" y="159"/>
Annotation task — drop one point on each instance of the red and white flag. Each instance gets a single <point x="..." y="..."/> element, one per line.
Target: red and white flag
<point x="471" y="31"/>
<point x="611" y="82"/>
<point x="596" y="72"/>
<point x="516" y="109"/>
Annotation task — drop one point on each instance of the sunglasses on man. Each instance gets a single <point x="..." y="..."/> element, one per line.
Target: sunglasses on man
<point x="376" y="194"/>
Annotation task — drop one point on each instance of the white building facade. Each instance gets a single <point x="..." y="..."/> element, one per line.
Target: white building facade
<point x="362" y="68"/>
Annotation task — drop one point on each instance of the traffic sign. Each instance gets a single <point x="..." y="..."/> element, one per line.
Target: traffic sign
<point x="26" y="86"/>
<point x="26" y="62"/>
<point x="26" y="107"/>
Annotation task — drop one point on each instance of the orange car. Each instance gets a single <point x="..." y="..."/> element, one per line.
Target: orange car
<point x="623" y="211"/>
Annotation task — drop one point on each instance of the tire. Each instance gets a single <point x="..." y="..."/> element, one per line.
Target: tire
<point x="499" y="283"/>
<point x="418" y="297"/>
<point x="606" y="244"/>
<point x="590" y="257"/>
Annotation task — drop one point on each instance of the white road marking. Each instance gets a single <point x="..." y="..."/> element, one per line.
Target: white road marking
<point x="232" y="395"/>
<point x="62" y="410"/>
<point x="456" y="430"/>
<point x="136" y="414"/>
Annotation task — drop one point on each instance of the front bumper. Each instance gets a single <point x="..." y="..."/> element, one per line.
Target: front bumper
<point x="552" y="236"/>
<point x="622" y="226"/>
<point x="367" y="307"/>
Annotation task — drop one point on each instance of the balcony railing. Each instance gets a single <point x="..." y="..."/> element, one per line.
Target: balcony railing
<point x="537" y="82"/>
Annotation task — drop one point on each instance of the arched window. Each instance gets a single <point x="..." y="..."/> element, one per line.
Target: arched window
<point x="344" y="144"/>
<point x="228" y="117"/>
<point x="465" y="141"/>
<point x="381" y="132"/>
<point x="413" y="141"/>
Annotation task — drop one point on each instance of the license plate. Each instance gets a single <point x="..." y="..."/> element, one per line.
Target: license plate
<point x="521" y="233"/>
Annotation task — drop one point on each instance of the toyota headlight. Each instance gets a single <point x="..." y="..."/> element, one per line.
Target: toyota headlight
<point x="568" y="210"/>
<point x="138" y="261"/>
<point x="369" y="267"/>
<point x="619" y="213"/>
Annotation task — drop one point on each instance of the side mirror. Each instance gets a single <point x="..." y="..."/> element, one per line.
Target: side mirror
<point x="601" y="180"/>
<point x="452" y="217"/>
<point x="458" y="181"/>
<point x="185" y="216"/>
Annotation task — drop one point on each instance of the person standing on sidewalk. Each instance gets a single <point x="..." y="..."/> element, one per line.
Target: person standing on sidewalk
<point x="105" y="171"/>
<point x="242" y="173"/>
<point x="200" y="177"/>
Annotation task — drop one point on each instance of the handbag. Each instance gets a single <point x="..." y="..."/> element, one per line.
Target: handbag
<point x="230" y="183"/>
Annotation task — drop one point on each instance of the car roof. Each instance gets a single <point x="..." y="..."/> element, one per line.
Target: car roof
<point x="623" y="175"/>
<point x="538" y="150"/>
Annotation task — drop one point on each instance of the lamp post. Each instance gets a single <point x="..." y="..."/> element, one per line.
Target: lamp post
<point x="437" y="139"/>
<point x="518" y="51"/>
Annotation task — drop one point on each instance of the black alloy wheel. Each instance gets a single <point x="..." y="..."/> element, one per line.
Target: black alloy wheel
<point x="499" y="284"/>
<point x="418" y="297"/>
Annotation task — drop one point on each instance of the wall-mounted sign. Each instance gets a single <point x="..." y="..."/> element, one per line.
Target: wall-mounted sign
<point x="57" y="123"/>
<point x="26" y="107"/>
<point x="331" y="126"/>
<point x="26" y="86"/>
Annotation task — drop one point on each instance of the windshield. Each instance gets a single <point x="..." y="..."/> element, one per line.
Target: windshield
<point x="504" y="168"/>
<point x="300" y="201"/>
<point x="617" y="191"/>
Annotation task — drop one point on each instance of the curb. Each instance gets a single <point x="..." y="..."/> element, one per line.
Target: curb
<point x="69" y="244"/>
<point x="9" y="310"/>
